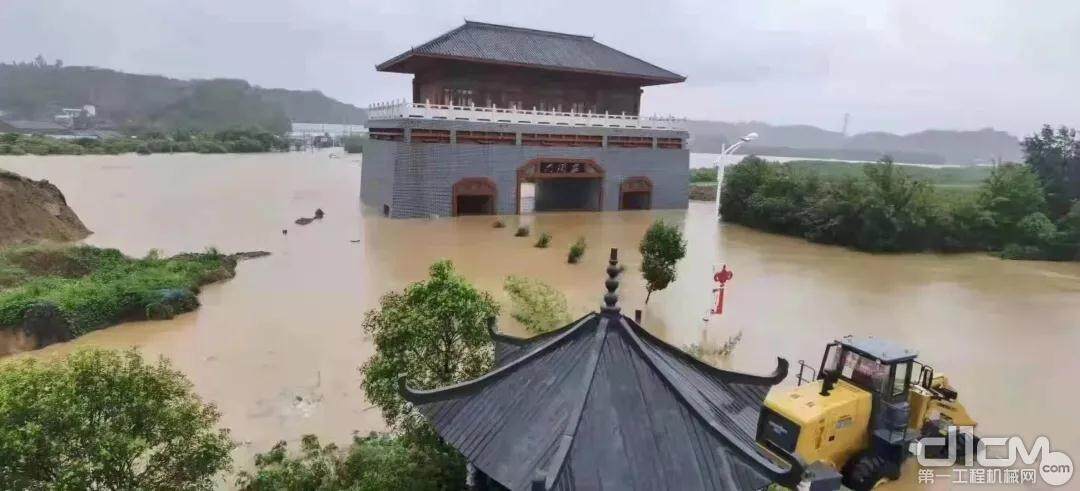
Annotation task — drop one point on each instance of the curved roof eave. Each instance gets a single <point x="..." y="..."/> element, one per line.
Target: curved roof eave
<point x="790" y="476"/>
<point x="419" y="396"/>
<point x="394" y="65"/>
<point x="750" y="456"/>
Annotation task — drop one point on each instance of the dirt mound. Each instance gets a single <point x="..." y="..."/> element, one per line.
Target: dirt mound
<point x="32" y="211"/>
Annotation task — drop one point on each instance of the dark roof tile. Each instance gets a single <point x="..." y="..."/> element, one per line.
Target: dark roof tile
<point x="601" y="403"/>
<point x="492" y="43"/>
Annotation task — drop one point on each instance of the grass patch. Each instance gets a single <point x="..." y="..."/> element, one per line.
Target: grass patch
<point x="543" y="241"/>
<point x="522" y="231"/>
<point x="577" y="251"/>
<point x="94" y="288"/>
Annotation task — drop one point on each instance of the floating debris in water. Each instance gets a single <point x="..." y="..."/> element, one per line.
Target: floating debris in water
<point x="305" y="220"/>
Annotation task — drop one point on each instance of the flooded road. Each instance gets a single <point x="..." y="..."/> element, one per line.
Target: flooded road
<point x="277" y="347"/>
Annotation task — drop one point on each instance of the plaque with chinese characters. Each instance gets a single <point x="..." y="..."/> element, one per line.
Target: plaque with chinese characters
<point x="563" y="168"/>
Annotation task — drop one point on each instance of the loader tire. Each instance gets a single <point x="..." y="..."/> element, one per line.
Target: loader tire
<point x="865" y="471"/>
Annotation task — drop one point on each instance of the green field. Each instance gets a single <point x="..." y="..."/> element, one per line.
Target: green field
<point x="938" y="176"/>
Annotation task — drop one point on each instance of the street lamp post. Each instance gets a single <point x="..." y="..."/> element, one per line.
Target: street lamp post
<point x="725" y="151"/>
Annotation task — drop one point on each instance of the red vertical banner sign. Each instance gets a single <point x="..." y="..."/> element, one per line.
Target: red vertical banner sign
<point x="721" y="278"/>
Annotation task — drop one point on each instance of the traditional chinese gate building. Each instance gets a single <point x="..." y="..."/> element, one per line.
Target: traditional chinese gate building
<point x="556" y="113"/>
<point x="603" y="404"/>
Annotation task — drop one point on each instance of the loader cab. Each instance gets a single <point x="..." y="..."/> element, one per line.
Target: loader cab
<point x="853" y="421"/>
<point x="875" y="365"/>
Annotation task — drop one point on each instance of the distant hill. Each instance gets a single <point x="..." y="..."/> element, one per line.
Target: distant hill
<point x="924" y="147"/>
<point x="36" y="91"/>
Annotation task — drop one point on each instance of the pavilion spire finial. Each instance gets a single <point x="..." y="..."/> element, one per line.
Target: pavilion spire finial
<point x="611" y="299"/>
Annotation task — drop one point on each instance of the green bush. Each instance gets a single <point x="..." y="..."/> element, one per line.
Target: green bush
<point x="1018" y="251"/>
<point x="94" y="288"/>
<point x="705" y="175"/>
<point x="234" y="140"/>
<point x="536" y="305"/>
<point x="66" y="261"/>
<point x="371" y="463"/>
<point x="1009" y="195"/>
<point x="543" y="241"/>
<point x="577" y="251"/>
<point x="246" y="145"/>
<point x="11" y="276"/>
<point x="522" y="231"/>
<point x="106" y="420"/>
<point x="208" y="146"/>
<point x="886" y="209"/>
<point x="354" y="143"/>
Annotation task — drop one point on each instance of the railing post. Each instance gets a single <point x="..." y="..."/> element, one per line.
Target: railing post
<point x="405" y="108"/>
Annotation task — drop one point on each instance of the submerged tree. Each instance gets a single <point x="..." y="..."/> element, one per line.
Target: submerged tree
<point x="432" y="334"/>
<point x="106" y="420"/>
<point x="661" y="248"/>
<point x="537" y="305"/>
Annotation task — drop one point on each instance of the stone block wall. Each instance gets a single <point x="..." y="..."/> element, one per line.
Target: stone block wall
<point x="416" y="179"/>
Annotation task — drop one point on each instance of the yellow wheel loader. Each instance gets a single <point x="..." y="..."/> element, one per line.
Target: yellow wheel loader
<point x="860" y="415"/>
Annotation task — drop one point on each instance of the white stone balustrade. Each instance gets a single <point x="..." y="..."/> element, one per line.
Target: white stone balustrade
<point x="411" y="110"/>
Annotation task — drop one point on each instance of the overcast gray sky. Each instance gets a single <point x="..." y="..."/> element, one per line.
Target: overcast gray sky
<point x="897" y="66"/>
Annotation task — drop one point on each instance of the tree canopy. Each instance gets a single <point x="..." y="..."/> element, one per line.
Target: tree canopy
<point x="661" y="248"/>
<point x="883" y="207"/>
<point x="106" y="420"/>
<point x="432" y="334"/>
<point x="1055" y="157"/>
<point x="371" y="463"/>
<point x="537" y="306"/>
<point x="1009" y="195"/>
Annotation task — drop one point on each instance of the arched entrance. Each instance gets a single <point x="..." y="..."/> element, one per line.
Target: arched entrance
<point x="562" y="184"/>
<point x="635" y="193"/>
<point x="474" y="196"/>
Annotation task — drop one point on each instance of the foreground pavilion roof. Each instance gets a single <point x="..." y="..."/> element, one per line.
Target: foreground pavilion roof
<point x="603" y="404"/>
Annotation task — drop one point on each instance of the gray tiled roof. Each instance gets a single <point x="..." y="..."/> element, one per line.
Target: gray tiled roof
<point x="492" y="43"/>
<point x="601" y="403"/>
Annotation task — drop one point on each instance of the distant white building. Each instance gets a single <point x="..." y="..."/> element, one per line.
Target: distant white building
<point x="67" y="115"/>
<point x="310" y="130"/>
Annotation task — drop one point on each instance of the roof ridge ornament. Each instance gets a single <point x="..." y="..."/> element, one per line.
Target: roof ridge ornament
<point x="611" y="299"/>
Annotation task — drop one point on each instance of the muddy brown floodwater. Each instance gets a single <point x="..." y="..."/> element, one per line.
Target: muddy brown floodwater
<point x="277" y="347"/>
